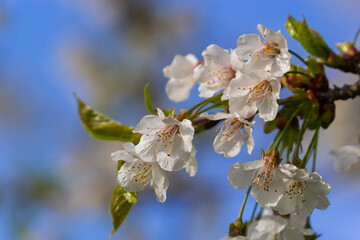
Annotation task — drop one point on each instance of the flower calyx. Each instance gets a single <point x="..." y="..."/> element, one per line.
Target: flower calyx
<point x="272" y="156"/>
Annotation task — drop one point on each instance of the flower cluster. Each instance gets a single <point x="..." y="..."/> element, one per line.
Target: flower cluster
<point x="165" y="145"/>
<point x="246" y="81"/>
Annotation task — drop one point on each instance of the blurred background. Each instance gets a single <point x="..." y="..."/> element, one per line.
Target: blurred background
<point x="56" y="181"/>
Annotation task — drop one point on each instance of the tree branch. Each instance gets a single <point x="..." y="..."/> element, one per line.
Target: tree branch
<point x="343" y="93"/>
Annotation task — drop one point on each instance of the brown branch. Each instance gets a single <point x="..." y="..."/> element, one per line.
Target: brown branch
<point x="343" y="93"/>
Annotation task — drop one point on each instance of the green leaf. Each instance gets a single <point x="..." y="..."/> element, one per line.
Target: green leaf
<point x="104" y="128"/>
<point x="310" y="39"/>
<point x="121" y="203"/>
<point x="147" y="100"/>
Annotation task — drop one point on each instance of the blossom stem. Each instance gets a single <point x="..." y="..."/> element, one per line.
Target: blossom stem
<point x="298" y="56"/>
<point x="206" y="109"/>
<point x="288" y="156"/>
<point x="297" y="72"/>
<point x="259" y="214"/>
<point x="300" y="135"/>
<point x="253" y="212"/>
<point x="243" y="204"/>
<point x="204" y="102"/>
<point x="315" y="153"/>
<point x="273" y="141"/>
<point x="310" y="147"/>
<point x="356" y="36"/>
<point x="286" y="126"/>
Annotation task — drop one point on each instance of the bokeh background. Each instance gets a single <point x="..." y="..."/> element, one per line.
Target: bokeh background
<point x="56" y="181"/>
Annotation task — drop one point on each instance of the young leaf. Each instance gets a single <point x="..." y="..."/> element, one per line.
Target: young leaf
<point x="310" y="39"/>
<point x="121" y="203"/>
<point x="101" y="127"/>
<point x="147" y="100"/>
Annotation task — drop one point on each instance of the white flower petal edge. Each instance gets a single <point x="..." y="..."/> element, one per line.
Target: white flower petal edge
<point x="265" y="177"/>
<point x="276" y="227"/>
<point x="229" y="138"/>
<point x="135" y="173"/>
<point x="165" y="140"/>
<point x="180" y="74"/>
<point x="191" y="165"/>
<point x="304" y="192"/>
<point x="295" y="229"/>
<point x="270" y="54"/>
<point x="252" y="92"/>
<point x="267" y="228"/>
<point x="235" y="238"/>
<point x="219" y="68"/>
<point x="347" y="157"/>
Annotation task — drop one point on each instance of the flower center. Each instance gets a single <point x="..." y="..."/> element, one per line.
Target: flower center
<point x="140" y="172"/>
<point x="165" y="137"/>
<point x="269" y="50"/>
<point x="259" y="91"/>
<point x="223" y="76"/>
<point x="295" y="188"/>
<point x="265" y="176"/>
<point x="230" y="127"/>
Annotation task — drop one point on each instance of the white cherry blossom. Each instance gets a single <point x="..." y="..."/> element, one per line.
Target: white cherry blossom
<point x="165" y="140"/>
<point x="180" y="74"/>
<point x="229" y="138"/>
<point x="135" y="173"/>
<point x="347" y="158"/>
<point x="268" y="52"/>
<point x="304" y="192"/>
<point x="219" y="68"/>
<point x="264" y="175"/>
<point x="252" y="92"/>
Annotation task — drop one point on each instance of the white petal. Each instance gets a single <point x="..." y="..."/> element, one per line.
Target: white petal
<point x="246" y="44"/>
<point x="216" y="116"/>
<point x="175" y="159"/>
<point x="271" y="197"/>
<point x="239" y="105"/>
<point x="240" y="173"/>
<point x="248" y="138"/>
<point x="323" y="202"/>
<point x="147" y="123"/>
<point x="187" y="133"/>
<point x="268" y="107"/>
<point x="179" y="89"/>
<point x="255" y="64"/>
<point x="208" y="90"/>
<point x="216" y="55"/>
<point x="123" y="155"/>
<point x="229" y="146"/>
<point x="293" y="234"/>
<point x="271" y="224"/>
<point x="146" y="149"/>
<point x="271" y="35"/>
<point x="160" y="182"/>
<point x="191" y="58"/>
<point x="280" y="66"/>
<point x="180" y="67"/>
<point x="346" y="158"/>
<point x="275" y="87"/>
<point x="191" y="165"/>
<point x="237" y="63"/>
<point x="286" y="205"/>
<point x="124" y="177"/>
